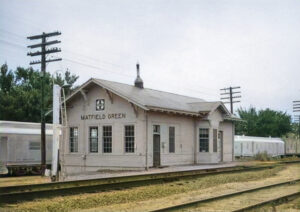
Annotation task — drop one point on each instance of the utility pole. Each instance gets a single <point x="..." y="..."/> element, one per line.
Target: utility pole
<point x="296" y="109"/>
<point x="230" y="94"/>
<point x="43" y="53"/>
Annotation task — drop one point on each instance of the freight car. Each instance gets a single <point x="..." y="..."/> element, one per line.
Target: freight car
<point x="20" y="146"/>
<point x="248" y="146"/>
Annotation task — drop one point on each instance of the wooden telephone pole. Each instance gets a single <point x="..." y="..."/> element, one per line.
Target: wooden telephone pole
<point x="43" y="53"/>
<point x="230" y="95"/>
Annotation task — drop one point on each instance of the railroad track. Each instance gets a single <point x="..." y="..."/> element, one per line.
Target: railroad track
<point x="275" y="201"/>
<point x="29" y="192"/>
<point x="13" y="194"/>
<point x="196" y="203"/>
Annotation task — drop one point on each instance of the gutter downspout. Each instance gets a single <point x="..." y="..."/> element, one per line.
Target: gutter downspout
<point x="195" y="141"/>
<point x="146" y="141"/>
<point x="233" y="132"/>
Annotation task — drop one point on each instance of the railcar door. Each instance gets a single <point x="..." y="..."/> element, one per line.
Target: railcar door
<point x="156" y="145"/>
<point x="3" y="149"/>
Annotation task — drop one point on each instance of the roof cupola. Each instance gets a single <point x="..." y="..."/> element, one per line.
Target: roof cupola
<point x="138" y="81"/>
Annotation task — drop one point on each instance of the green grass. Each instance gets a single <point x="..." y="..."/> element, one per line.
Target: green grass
<point x="92" y="200"/>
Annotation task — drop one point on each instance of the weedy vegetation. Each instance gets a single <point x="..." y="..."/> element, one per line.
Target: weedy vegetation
<point x="91" y="200"/>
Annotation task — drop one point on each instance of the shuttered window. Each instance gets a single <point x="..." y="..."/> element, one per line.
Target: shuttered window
<point x="171" y="139"/>
<point x="215" y="140"/>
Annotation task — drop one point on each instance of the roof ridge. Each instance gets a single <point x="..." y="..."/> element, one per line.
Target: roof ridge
<point x="154" y="89"/>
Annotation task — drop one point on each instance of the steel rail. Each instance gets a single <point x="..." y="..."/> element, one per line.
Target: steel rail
<point x="285" y="198"/>
<point x="24" y="192"/>
<point x="196" y="202"/>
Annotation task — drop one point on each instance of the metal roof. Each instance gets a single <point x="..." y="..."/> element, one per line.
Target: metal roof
<point x="243" y="138"/>
<point x="25" y="128"/>
<point x="150" y="99"/>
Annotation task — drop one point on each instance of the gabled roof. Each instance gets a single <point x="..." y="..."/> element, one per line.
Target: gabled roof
<point x="149" y="99"/>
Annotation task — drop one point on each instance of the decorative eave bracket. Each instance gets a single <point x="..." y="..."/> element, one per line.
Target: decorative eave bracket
<point x="135" y="109"/>
<point x="110" y="95"/>
<point x="83" y="93"/>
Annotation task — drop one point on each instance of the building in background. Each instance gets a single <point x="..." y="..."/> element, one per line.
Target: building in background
<point x="249" y="146"/>
<point x="113" y="125"/>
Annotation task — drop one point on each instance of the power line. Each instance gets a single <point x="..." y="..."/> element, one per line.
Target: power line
<point x="80" y="62"/>
<point x="230" y="94"/>
<point x="96" y="67"/>
<point x="17" y="45"/>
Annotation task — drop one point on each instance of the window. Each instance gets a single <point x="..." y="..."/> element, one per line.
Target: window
<point x="34" y="145"/>
<point x="171" y="139"/>
<point x="100" y="104"/>
<point x="156" y="129"/>
<point x="107" y="139"/>
<point x="203" y="140"/>
<point x="129" y="138"/>
<point x="73" y="139"/>
<point x="93" y="139"/>
<point x="215" y="139"/>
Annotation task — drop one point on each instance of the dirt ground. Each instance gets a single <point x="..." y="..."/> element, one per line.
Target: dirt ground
<point x="151" y="197"/>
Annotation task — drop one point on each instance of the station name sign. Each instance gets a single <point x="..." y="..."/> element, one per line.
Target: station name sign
<point x="104" y="116"/>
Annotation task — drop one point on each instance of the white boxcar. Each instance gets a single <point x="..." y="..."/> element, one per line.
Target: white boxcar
<point x="249" y="146"/>
<point x="20" y="144"/>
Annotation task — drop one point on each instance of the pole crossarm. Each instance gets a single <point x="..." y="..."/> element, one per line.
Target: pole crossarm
<point x="50" y="51"/>
<point x="47" y="61"/>
<point x="44" y="44"/>
<point x="44" y="35"/>
<point x="228" y="94"/>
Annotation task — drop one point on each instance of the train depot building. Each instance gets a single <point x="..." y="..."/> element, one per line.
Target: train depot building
<point x="113" y="125"/>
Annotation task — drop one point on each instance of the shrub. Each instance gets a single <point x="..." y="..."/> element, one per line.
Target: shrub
<point x="262" y="156"/>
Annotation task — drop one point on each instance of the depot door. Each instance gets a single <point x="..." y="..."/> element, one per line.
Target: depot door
<point x="220" y="146"/>
<point x="156" y="145"/>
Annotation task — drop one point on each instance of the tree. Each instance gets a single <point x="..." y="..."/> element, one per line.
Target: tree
<point x="263" y="123"/>
<point x="20" y="93"/>
<point x="6" y="79"/>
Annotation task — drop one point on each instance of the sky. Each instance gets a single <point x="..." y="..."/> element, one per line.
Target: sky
<point x="193" y="48"/>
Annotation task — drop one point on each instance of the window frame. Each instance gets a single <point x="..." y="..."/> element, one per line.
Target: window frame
<point x="107" y="136"/>
<point x="174" y="140"/>
<point x="132" y="136"/>
<point x="33" y="144"/>
<point x="72" y="137"/>
<point x="202" y="139"/>
<point x="90" y="139"/>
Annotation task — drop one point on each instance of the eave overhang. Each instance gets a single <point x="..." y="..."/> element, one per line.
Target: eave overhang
<point x="180" y="112"/>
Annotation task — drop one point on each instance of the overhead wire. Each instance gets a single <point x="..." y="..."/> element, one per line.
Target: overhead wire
<point x="17" y="45"/>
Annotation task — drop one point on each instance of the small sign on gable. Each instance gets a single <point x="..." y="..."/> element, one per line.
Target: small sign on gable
<point x="100" y="104"/>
